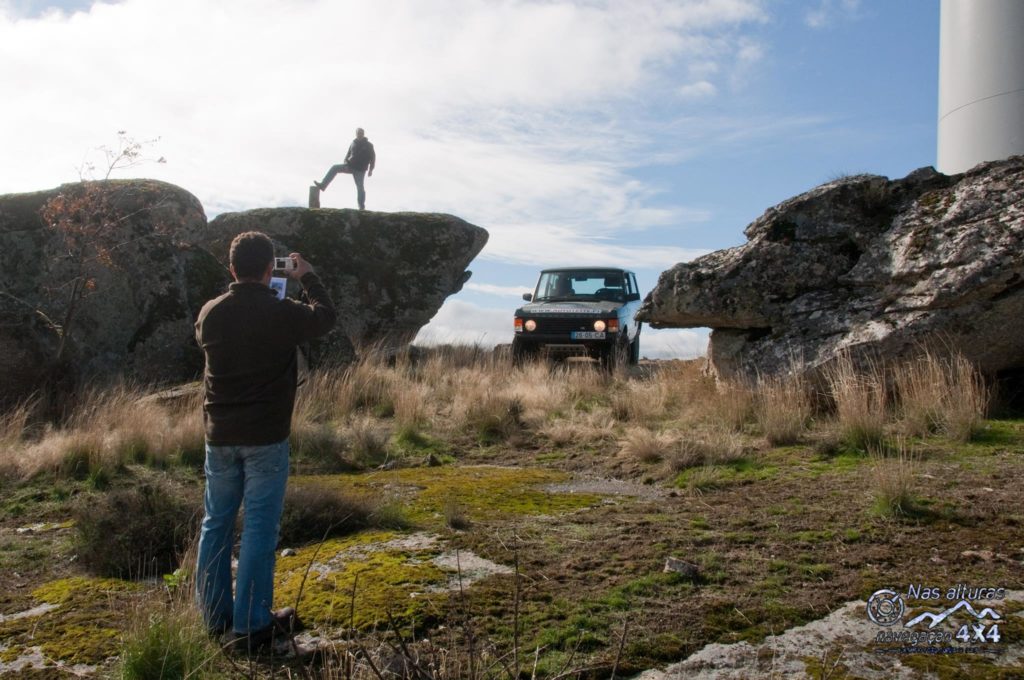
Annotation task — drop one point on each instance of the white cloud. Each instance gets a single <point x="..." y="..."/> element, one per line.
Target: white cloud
<point x="701" y="89"/>
<point x="673" y="343"/>
<point x="460" y="322"/>
<point x="501" y="291"/>
<point x="512" y="115"/>
<point x="829" y="12"/>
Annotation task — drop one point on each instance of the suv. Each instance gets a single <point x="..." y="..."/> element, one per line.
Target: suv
<point x="580" y="311"/>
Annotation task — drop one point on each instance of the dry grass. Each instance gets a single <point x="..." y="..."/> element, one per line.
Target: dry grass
<point x="892" y="476"/>
<point x="368" y="443"/>
<point x="860" y="402"/>
<point x="730" y="406"/>
<point x="967" y="402"/>
<point x="643" y="402"/>
<point x="944" y="395"/>
<point x="646" y="446"/>
<point x="709" y="449"/>
<point x="782" y="409"/>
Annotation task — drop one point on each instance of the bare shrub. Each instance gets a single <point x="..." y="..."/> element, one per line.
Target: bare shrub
<point x="782" y="408"/>
<point x="647" y="446"/>
<point x="136" y="532"/>
<point x="314" y="511"/>
<point x="860" y="400"/>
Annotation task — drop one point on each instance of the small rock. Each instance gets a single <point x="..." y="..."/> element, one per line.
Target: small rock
<point x="678" y="566"/>
<point x="287" y="552"/>
<point x="431" y="460"/>
<point x="935" y="559"/>
<point x="978" y="555"/>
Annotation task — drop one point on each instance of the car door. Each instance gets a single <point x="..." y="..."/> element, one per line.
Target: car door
<point x="632" y="306"/>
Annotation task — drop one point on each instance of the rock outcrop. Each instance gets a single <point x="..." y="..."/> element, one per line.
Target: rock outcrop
<point x="388" y="273"/>
<point x="118" y="255"/>
<point x="135" y="260"/>
<point x="863" y="264"/>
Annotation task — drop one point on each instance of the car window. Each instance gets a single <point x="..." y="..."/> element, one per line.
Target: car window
<point x="582" y="285"/>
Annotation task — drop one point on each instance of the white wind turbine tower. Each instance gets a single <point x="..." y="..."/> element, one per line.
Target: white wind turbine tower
<point x="981" y="82"/>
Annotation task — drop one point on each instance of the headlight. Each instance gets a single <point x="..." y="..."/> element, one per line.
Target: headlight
<point x="530" y="325"/>
<point x="599" y="326"/>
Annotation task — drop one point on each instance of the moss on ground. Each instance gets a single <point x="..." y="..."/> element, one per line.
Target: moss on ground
<point x="83" y="629"/>
<point x="485" y="492"/>
<point x="402" y="583"/>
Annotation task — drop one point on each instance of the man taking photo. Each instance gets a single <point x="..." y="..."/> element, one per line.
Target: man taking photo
<point x="250" y="340"/>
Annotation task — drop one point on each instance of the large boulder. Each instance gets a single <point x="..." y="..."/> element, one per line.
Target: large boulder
<point x="387" y="273"/>
<point x="867" y="265"/>
<point x="111" y="261"/>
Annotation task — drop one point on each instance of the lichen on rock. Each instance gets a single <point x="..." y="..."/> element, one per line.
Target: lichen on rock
<point x="876" y="267"/>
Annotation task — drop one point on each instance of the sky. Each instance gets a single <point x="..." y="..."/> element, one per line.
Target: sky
<point x="638" y="134"/>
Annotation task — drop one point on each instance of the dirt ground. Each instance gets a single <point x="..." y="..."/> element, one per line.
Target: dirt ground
<point x="775" y="540"/>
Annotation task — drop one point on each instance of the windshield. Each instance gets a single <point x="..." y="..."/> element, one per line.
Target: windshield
<point x="581" y="285"/>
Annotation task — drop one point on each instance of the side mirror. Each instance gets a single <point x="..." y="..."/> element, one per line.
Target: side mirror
<point x="633" y="298"/>
<point x="528" y="297"/>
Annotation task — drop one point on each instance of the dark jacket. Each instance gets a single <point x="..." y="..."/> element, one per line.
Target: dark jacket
<point x="250" y="338"/>
<point x="360" y="155"/>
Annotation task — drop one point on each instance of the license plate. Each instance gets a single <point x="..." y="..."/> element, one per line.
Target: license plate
<point x="587" y="335"/>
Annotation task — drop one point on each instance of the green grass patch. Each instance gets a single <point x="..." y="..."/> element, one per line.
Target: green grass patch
<point x="738" y="472"/>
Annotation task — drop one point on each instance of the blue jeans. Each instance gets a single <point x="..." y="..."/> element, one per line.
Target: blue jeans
<point x="357" y="176"/>
<point x="255" y="476"/>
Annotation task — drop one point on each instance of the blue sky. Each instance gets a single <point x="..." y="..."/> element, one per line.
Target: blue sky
<point x="637" y="133"/>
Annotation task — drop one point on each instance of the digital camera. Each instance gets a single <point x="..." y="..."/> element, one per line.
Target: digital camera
<point x="284" y="264"/>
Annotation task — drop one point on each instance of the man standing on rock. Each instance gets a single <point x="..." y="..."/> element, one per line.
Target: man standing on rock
<point x="359" y="162"/>
<point x="250" y="339"/>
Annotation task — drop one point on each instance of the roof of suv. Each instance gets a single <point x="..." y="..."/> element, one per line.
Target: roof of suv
<point x="585" y="269"/>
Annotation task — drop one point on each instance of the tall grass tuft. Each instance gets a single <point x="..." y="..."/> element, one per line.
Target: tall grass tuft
<point x="892" y="479"/>
<point x="967" y="403"/>
<point x="646" y="446"/>
<point x="731" y="405"/>
<point x="860" y="402"/>
<point x="168" y="642"/>
<point x="941" y="395"/>
<point x="782" y="408"/>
